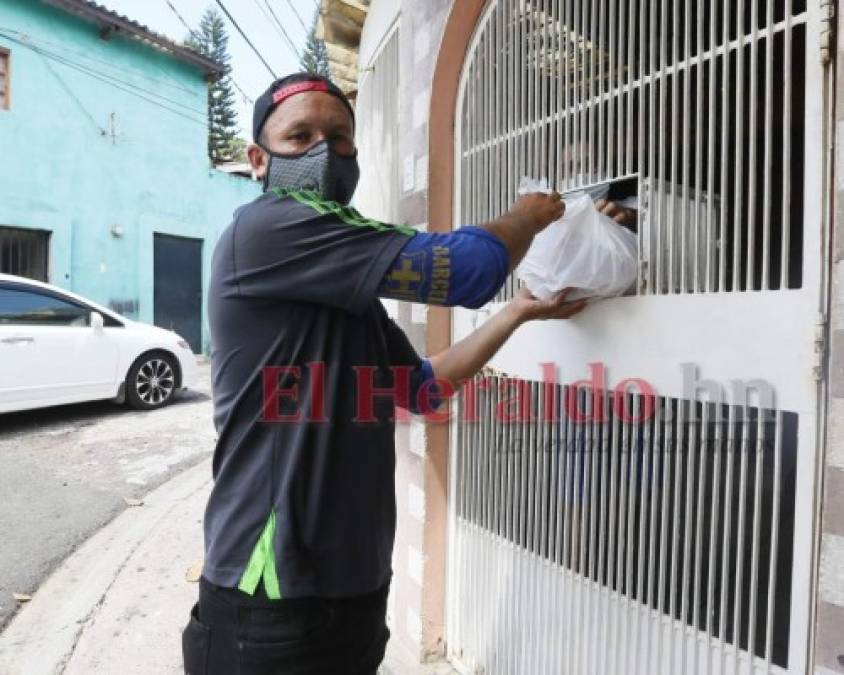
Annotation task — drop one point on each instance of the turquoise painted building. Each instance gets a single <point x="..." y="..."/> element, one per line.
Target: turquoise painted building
<point x="105" y="184"/>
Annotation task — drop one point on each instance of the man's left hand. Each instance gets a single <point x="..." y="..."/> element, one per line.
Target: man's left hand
<point x="530" y="308"/>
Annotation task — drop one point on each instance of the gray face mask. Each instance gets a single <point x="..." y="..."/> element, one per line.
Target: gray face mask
<point x="319" y="168"/>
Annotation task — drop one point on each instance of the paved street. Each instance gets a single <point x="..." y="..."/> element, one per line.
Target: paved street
<point x="65" y="471"/>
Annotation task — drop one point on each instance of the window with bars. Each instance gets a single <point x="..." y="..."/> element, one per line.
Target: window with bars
<point x="684" y="507"/>
<point x="701" y="103"/>
<point x="5" y="74"/>
<point x="24" y="252"/>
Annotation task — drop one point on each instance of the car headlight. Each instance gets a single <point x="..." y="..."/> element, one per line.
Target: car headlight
<point x="183" y="345"/>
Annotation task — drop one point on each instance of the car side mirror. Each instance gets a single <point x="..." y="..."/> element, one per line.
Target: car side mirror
<point x="97" y="321"/>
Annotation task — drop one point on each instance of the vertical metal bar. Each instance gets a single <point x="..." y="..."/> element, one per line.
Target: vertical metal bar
<point x="775" y="529"/>
<point x="568" y="99"/>
<point x="602" y="165"/>
<point x="675" y="525"/>
<point x="571" y="541"/>
<point x="752" y="136"/>
<point x="568" y="571"/>
<point x="768" y="161"/>
<point x="634" y="480"/>
<point x="489" y="108"/>
<point x="560" y="62"/>
<point x="667" y="448"/>
<point x="524" y="502"/>
<point x="612" y="555"/>
<point x="757" y="521"/>
<point x="557" y="633"/>
<point x="520" y="104"/>
<point x="582" y="535"/>
<point x="482" y="526"/>
<point x="553" y="431"/>
<point x="644" y="533"/>
<point x="725" y="144"/>
<point x="786" y="145"/>
<point x="659" y="185"/>
<point x="583" y="98"/>
<point x="672" y="189"/>
<point x="603" y="534"/>
<point x="512" y="549"/>
<point x="711" y="251"/>
<point x="699" y="511"/>
<point x="739" y="148"/>
<point x="594" y="132"/>
<point x="472" y="632"/>
<point x="688" y="527"/>
<point x="498" y="173"/>
<point x="621" y="556"/>
<point x="535" y="527"/>
<point x="615" y="102"/>
<point x="592" y="586"/>
<point x="726" y="532"/>
<point x="533" y="81"/>
<point x="632" y="74"/>
<point x="742" y="514"/>
<point x="545" y="521"/>
<point x="552" y="54"/>
<point x="715" y="509"/>
<point x="653" y="564"/>
<point x="698" y="134"/>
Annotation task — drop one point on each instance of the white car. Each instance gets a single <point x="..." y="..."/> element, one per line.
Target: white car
<point x="57" y="347"/>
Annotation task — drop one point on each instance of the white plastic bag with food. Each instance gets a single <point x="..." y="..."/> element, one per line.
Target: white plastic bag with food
<point x="584" y="250"/>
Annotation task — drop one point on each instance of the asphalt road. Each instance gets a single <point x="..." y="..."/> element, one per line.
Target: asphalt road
<point x="65" y="471"/>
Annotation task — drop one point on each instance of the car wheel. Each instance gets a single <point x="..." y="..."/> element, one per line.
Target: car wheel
<point x="151" y="382"/>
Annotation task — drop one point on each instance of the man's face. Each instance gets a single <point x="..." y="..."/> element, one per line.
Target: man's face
<point x="301" y="122"/>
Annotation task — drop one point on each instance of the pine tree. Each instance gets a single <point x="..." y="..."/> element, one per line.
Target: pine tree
<point x="212" y="40"/>
<point x="315" y="56"/>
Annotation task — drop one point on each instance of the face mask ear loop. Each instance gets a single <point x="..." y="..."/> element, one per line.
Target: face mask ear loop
<point x="266" y="180"/>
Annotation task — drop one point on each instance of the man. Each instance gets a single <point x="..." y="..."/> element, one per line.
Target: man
<point x="300" y="524"/>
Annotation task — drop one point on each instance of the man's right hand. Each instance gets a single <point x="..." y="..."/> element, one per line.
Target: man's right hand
<point x="538" y="210"/>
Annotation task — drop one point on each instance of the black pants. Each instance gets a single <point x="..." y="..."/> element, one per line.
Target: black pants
<point x="232" y="633"/>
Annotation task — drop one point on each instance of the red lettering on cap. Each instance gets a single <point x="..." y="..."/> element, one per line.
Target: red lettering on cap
<point x="297" y="88"/>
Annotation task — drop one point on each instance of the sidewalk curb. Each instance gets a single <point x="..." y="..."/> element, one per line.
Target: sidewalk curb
<point x="42" y="637"/>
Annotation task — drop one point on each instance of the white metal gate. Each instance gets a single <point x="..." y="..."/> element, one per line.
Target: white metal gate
<point x="676" y="537"/>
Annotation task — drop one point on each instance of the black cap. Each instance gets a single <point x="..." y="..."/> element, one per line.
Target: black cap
<point x="273" y="96"/>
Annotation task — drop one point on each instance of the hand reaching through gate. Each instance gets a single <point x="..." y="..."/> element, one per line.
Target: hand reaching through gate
<point x="530" y="214"/>
<point x="465" y="358"/>
<point x="620" y="214"/>
<point x="558" y="306"/>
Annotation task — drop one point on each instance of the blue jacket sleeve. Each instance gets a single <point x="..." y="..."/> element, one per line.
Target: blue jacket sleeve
<point x="465" y="267"/>
<point x="419" y="378"/>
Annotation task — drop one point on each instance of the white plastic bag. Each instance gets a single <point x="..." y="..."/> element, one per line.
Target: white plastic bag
<point x="584" y="250"/>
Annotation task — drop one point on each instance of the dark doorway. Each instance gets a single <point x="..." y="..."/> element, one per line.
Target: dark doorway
<point x="177" y="286"/>
<point x="24" y="252"/>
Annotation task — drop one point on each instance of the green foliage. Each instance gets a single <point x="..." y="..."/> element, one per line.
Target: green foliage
<point x="211" y="40"/>
<point x="315" y="56"/>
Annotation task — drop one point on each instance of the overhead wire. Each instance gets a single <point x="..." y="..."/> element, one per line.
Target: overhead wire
<point x="282" y="29"/>
<point x="196" y="36"/>
<point x="61" y="47"/>
<point x="122" y="85"/>
<point x="243" y="35"/>
<point x="281" y="33"/>
<point x="298" y="16"/>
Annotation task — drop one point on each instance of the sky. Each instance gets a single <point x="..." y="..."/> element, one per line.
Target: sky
<point x="252" y="16"/>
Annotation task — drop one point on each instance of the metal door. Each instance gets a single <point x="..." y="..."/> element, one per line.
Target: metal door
<point x="177" y="287"/>
<point x="658" y="517"/>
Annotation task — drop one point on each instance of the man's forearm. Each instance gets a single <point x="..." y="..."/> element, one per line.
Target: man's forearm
<point x="516" y="235"/>
<point x="465" y="358"/>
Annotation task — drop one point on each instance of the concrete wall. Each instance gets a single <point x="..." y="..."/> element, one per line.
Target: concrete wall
<point x="417" y="629"/>
<point x="829" y="621"/>
<point x="103" y="133"/>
